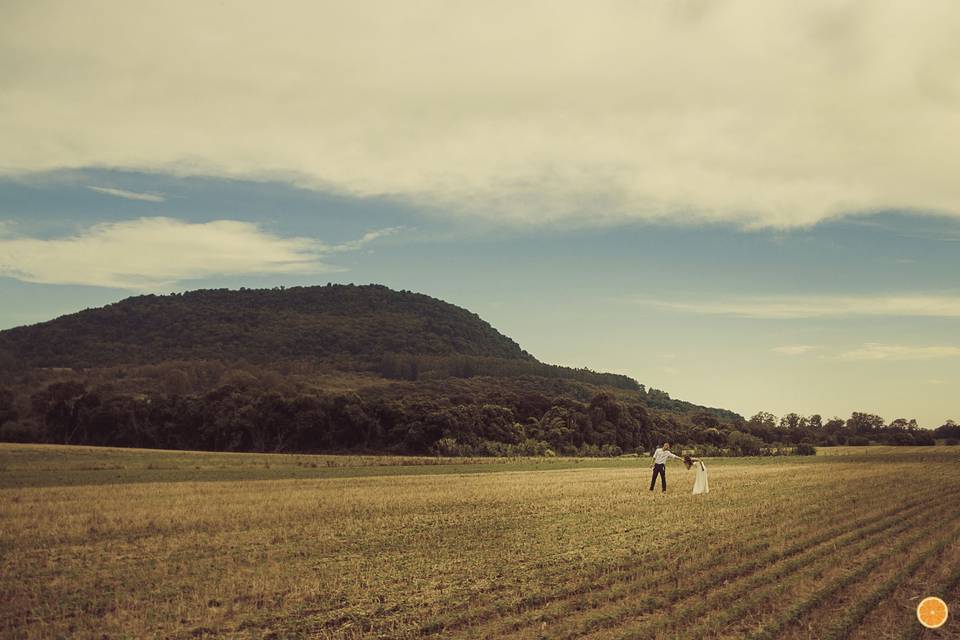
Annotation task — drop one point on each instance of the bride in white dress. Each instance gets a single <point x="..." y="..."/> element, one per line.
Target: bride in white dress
<point x="701" y="484"/>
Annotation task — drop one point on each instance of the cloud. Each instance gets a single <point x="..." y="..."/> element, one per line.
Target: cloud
<point x="532" y="112"/>
<point x="130" y="195"/>
<point x="794" y="350"/>
<point x="154" y="253"/>
<point x="878" y="351"/>
<point x="796" y="307"/>
<point x="364" y="240"/>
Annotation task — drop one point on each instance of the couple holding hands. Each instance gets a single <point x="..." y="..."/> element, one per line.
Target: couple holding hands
<point x="660" y="457"/>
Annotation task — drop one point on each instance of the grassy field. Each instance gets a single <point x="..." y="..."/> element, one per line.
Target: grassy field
<point x="131" y="543"/>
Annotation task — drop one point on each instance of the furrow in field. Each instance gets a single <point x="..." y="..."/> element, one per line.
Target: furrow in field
<point x="730" y="602"/>
<point x="601" y="607"/>
<point x="557" y="587"/>
<point x="887" y="609"/>
<point x="728" y="594"/>
<point x="837" y="614"/>
<point x="801" y="608"/>
<point x="894" y="617"/>
<point x="851" y="613"/>
<point x="636" y="568"/>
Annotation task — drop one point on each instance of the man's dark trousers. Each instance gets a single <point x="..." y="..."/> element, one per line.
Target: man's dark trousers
<point x="662" y="470"/>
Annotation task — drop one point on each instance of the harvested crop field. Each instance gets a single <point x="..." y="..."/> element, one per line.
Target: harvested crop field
<point x="132" y="543"/>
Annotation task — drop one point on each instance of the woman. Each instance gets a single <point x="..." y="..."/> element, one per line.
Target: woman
<point x="701" y="484"/>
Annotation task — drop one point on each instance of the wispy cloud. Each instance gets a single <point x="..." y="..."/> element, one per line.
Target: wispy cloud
<point x="796" y="307"/>
<point x="878" y="351"/>
<point x="153" y="253"/>
<point x="794" y="350"/>
<point x="365" y="239"/>
<point x="129" y="195"/>
<point x="641" y="110"/>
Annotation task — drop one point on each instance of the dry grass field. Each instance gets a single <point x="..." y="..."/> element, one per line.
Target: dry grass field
<point x="125" y="543"/>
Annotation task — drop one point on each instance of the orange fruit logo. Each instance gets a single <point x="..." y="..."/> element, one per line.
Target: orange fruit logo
<point x="932" y="612"/>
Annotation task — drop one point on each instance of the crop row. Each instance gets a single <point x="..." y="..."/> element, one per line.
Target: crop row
<point x="604" y="581"/>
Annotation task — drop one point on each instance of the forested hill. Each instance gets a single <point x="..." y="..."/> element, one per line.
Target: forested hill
<point x="333" y="323"/>
<point x="330" y="368"/>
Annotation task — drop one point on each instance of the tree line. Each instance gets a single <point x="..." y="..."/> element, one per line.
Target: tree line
<point x="447" y="418"/>
<point x="860" y="428"/>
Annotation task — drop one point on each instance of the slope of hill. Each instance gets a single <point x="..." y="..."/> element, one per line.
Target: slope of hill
<point x="260" y="325"/>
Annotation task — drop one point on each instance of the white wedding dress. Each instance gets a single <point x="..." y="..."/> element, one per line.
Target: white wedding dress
<point x="701" y="485"/>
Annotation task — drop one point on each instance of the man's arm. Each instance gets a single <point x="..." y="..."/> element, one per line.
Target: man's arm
<point x="673" y="455"/>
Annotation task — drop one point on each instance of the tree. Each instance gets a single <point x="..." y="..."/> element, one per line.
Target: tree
<point x="8" y="411"/>
<point x="864" y="423"/>
<point x="57" y="406"/>
<point x="948" y="429"/>
<point x="795" y="425"/>
<point x="834" y="426"/>
<point x="744" y="443"/>
<point x="705" y="420"/>
<point x="714" y="437"/>
<point x="792" y="422"/>
<point x="900" y="424"/>
<point x="763" y="419"/>
<point x="9" y="366"/>
<point x="763" y="425"/>
<point x="399" y="366"/>
<point x="175" y="382"/>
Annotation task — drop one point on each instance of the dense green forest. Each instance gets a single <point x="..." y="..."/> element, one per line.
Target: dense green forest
<point x="352" y="368"/>
<point x="345" y="325"/>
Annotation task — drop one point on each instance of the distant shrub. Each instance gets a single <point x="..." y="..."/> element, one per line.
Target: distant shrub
<point x="858" y="441"/>
<point x="952" y="442"/>
<point x="805" y="449"/>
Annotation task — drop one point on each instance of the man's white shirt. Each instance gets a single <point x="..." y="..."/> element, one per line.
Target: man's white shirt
<point x="661" y="455"/>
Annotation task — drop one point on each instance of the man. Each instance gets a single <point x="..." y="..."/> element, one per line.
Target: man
<point x="660" y="457"/>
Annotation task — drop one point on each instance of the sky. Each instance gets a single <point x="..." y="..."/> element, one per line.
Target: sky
<point x="748" y="204"/>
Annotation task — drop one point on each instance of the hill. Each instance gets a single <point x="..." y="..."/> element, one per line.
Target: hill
<point x="330" y="368"/>
<point x="260" y="325"/>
